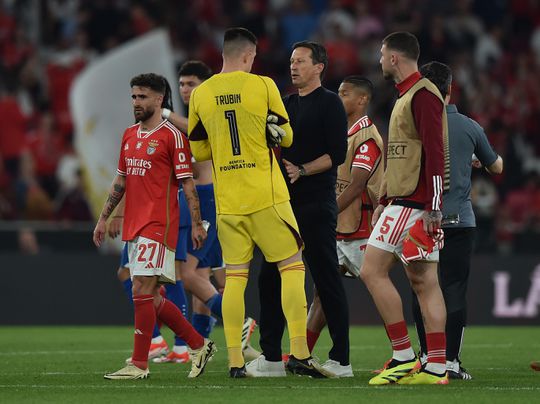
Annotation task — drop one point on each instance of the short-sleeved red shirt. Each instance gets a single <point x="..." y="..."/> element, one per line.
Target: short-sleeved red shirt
<point x="366" y="156"/>
<point x="152" y="163"/>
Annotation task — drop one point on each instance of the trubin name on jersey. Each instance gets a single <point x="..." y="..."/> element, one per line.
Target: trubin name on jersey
<point x="237" y="164"/>
<point x="137" y="166"/>
<point x="227" y="99"/>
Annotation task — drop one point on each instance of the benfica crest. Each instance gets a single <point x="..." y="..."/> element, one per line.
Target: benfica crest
<point x="151" y="149"/>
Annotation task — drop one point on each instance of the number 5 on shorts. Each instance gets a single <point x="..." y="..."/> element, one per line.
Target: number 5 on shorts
<point x="385" y="227"/>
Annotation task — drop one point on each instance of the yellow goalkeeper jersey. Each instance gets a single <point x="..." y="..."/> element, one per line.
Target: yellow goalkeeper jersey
<point x="227" y="123"/>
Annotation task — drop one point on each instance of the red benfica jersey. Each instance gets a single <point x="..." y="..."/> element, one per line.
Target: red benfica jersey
<point x="365" y="157"/>
<point x="152" y="163"/>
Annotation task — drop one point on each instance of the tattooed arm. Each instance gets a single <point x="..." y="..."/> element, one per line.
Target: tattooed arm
<point x="116" y="193"/>
<point x="198" y="234"/>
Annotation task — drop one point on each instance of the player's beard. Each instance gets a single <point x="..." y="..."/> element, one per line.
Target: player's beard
<point x="143" y="115"/>
<point x="388" y="76"/>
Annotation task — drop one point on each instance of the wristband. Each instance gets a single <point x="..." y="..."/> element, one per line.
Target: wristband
<point x="165" y="113"/>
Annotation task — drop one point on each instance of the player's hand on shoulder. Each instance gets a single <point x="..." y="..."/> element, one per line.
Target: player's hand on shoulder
<point x="198" y="235"/>
<point x="274" y="133"/>
<point x="99" y="232"/>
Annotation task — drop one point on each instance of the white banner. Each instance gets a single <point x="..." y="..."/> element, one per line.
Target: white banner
<point x="101" y="108"/>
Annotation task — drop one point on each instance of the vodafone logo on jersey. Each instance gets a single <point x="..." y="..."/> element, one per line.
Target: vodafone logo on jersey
<point x="136" y="166"/>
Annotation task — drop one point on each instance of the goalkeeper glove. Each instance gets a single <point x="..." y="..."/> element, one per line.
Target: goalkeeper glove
<point x="274" y="133"/>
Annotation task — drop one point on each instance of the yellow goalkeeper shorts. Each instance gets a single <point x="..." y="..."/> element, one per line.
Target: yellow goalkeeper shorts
<point x="274" y="230"/>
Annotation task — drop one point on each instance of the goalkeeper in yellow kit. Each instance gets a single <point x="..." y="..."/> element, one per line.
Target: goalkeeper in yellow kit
<point x="227" y="123"/>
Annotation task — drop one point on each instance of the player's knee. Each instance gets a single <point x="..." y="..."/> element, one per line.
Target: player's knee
<point x="416" y="286"/>
<point x="143" y="285"/>
<point x="189" y="278"/>
<point x="137" y="289"/>
<point x="419" y="283"/>
<point x="366" y="275"/>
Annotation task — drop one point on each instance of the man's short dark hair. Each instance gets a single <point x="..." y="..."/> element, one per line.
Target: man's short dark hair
<point x="151" y="80"/>
<point x="439" y="74"/>
<point x="403" y="42"/>
<point x="360" y="82"/>
<point x="236" y="38"/>
<point x="318" y="53"/>
<point x="157" y="83"/>
<point x="195" y="68"/>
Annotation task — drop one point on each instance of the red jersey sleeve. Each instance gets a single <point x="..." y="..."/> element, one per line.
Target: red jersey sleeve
<point x="428" y="112"/>
<point x="181" y="155"/>
<point x="366" y="155"/>
<point x="121" y="170"/>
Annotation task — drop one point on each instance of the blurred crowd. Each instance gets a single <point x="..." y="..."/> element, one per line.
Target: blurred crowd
<point x="493" y="47"/>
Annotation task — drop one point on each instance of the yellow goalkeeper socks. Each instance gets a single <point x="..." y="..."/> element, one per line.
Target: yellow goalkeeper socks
<point x="293" y="301"/>
<point x="233" y="308"/>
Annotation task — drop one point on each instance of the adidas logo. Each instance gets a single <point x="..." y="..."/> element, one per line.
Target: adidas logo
<point x="380" y="238"/>
<point x="149" y="266"/>
<point x="138" y="332"/>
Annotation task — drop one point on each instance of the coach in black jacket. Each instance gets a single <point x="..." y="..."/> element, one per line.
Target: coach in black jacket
<point x="319" y="124"/>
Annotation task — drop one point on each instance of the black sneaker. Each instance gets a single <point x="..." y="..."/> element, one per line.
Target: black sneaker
<point x="307" y="367"/>
<point x="456" y="371"/>
<point x="238" y="373"/>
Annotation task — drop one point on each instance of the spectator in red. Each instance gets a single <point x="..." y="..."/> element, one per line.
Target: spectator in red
<point x="12" y="130"/>
<point x="46" y="146"/>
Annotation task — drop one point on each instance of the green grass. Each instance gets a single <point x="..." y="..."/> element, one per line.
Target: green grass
<point x="66" y="364"/>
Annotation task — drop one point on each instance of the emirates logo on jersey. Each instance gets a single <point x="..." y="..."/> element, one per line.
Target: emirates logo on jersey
<point x="135" y="166"/>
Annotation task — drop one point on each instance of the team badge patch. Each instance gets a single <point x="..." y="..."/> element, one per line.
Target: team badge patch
<point x="151" y="149"/>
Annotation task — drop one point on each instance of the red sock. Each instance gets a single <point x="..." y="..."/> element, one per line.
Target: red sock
<point x="312" y="338"/>
<point x="163" y="293"/>
<point x="173" y="318"/>
<point x="145" y="318"/>
<point x="436" y="347"/>
<point x="398" y="335"/>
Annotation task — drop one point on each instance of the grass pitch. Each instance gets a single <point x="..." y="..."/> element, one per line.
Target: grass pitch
<point x="66" y="364"/>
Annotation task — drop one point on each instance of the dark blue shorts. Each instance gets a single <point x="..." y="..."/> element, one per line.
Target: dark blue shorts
<point x="210" y="254"/>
